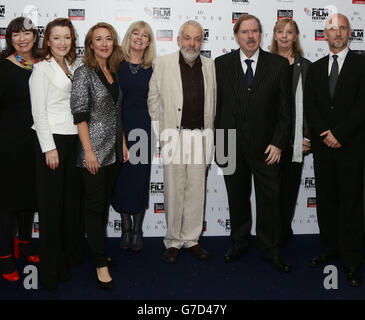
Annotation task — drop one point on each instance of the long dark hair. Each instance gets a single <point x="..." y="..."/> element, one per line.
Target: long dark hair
<point x="17" y="25"/>
<point x="59" y="22"/>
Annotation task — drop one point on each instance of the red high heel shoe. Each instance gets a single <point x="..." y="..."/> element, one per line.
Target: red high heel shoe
<point x="18" y="249"/>
<point x="14" y="276"/>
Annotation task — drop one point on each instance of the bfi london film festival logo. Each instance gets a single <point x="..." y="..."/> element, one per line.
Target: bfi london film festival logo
<point x="164" y="35"/>
<point x="226" y="224"/>
<point x="309" y="183"/>
<point x="76" y="14"/>
<point x="80" y="52"/>
<point x="358" y="1"/>
<point x="236" y="15"/>
<point x="117" y="226"/>
<point x="2" y="12"/>
<point x="319" y="35"/>
<point x="311" y="202"/>
<point x="318" y="14"/>
<point x="284" y="13"/>
<point x="2" y="33"/>
<point x="205" y="35"/>
<point x="204" y="1"/>
<point x="156" y="188"/>
<point x="240" y="1"/>
<point x="41" y="31"/>
<point x="357" y="35"/>
<point x="162" y="14"/>
<point x="158" y="208"/>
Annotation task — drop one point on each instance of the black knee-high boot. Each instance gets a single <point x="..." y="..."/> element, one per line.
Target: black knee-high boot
<point x="137" y="236"/>
<point x="125" y="242"/>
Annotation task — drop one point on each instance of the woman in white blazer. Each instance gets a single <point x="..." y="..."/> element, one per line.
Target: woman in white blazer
<point x="58" y="179"/>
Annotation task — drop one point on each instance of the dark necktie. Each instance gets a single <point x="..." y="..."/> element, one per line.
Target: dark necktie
<point x="249" y="72"/>
<point x="332" y="80"/>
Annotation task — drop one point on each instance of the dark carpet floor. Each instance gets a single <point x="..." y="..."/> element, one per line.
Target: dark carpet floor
<point x="145" y="277"/>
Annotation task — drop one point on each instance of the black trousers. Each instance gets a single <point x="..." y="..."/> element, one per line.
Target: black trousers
<point x="8" y="223"/>
<point x="97" y="196"/>
<point x="339" y="191"/>
<point x="291" y="174"/>
<point x="267" y="187"/>
<point x="59" y="203"/>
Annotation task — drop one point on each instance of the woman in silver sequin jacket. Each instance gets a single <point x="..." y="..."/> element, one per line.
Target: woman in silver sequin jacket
<point x="96" y="101"/>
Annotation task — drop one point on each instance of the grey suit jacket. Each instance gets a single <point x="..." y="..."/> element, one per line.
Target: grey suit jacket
<point x="92" y="101"/>
<point x="165" y="98"/>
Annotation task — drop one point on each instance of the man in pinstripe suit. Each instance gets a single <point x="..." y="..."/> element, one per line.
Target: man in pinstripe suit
<point x="253" y="97"/>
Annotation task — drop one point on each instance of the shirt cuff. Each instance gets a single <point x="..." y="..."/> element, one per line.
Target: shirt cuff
<point x="81" y="117"/>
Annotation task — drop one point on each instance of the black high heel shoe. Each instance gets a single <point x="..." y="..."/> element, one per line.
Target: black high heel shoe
<point x="105" y="285"/>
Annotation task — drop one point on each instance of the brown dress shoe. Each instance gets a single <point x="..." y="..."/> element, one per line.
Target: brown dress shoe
<point x="198" y="252"/>
<point x="170" y="255"/>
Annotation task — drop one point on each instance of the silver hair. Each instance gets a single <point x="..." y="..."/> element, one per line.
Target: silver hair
<point x="192" y="23"/>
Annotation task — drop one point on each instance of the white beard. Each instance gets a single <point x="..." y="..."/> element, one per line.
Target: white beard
<point x="190" y="57"/>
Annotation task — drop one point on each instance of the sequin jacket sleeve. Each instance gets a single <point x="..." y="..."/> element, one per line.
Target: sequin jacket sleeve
<point x="92" y="102"/>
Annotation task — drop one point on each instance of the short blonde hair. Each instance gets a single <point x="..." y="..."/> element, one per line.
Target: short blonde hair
<point x="296" y="44"/>
<point x="89" y="57"/>
<point x="150" y="51"/>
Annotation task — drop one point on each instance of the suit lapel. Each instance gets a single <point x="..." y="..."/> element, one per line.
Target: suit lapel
<point x="261" y="70"/>
<point x="237" y="77"/>
<point x="176" y="86"/>
<point x="344" y="73"/>
<point x="323" y="77"/>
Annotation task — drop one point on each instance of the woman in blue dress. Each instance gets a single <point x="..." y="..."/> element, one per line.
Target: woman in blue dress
<point x="131" y="193"/>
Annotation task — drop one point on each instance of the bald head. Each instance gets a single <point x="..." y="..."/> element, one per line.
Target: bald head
<point x="337" y="32"/>
<point x="334" y="20"/>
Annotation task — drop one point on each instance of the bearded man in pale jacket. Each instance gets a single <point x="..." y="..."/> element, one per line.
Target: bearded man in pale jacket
<point x="181" y="104"/>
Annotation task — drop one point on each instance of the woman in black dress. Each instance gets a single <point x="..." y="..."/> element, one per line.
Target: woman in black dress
<point x="130" y="196"/>
<point x="286" y="43"/>
<point x="17" y="145"/>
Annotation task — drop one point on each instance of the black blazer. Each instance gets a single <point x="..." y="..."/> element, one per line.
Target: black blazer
<point x="344" y="114"/>
<point x="261" y="114"/>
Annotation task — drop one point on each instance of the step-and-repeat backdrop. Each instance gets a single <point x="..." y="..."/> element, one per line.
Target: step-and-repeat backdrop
<point x="217" y="18"/>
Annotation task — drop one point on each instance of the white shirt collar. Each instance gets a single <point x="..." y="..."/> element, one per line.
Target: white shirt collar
<point x="255" y="57"/>
<point x="342" y="54"/>
<point x="71" y="67"/>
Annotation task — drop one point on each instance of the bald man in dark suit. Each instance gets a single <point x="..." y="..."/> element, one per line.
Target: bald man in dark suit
<point x="334" y="101"/>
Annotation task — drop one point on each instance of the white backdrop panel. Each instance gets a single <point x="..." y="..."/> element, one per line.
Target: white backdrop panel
<point x="216" y="17"/>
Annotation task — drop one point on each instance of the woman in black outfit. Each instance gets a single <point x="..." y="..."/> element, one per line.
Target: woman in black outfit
<point x="96" y="102"/>
<point x="58" y="179"/>
<point x="17" y="145"/>
<point x="286" y="43"/>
